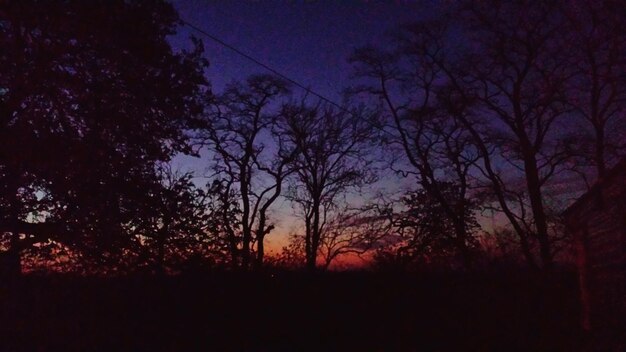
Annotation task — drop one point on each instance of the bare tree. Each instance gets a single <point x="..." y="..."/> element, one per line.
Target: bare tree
<point x="353" y="231"/>
<point x="494" y="85"/>
<point x="250" y="155"/>
<point x="412" y="88"/>
<point x="332" y="159"/>
<point x="461" y="103"/>
<point x="598" y="91"/>
<point x="519" y="71"/>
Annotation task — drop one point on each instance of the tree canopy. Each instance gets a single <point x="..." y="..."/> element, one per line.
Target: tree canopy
<point x="92" y="97"/>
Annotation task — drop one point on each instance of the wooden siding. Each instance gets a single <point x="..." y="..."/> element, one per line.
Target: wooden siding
<point x="598" y="222"/>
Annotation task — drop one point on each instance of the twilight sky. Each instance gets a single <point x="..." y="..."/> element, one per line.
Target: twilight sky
<point x="308" y="41"/>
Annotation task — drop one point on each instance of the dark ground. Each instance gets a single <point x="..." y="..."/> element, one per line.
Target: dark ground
<point x="511" y="311"/>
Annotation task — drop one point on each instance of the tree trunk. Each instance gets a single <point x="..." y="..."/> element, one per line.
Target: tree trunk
<point x="315" y="236"/>
<point x="461" y="239"/>
<point x="245" y="216"/>
<point x="498" y="190"/>
<point x="260" y="252"/>
<point x="307" y="242"/>
<point x="596" y="118"/>
<point x="245" y="248"/>
<point x="526" y="251"/>
<point x="160" y="260"/>
<point x="539" y="215"/>
<point x="599" y="152"/>
<point x="11" y="260"/>
<point x="231" y="237"/>
<point x="260" y="237"/>
<point x="310" y="262"/>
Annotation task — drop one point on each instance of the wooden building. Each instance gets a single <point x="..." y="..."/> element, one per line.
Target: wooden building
<point x="597" y="220"/>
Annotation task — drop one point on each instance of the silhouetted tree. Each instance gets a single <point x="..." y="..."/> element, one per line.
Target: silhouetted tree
<point x="332" y="149"/>
<point x="176" y="220"/>
<point x="597" y="35"/>
<point x="412" y="88"/>
<point x="92" y="97"/>
<point x="519" y="70"/>
<point x="292" y="256"/>
<point x="250" y="154"/>
<point x="352" y="232"/>
<point x="498" y="79"/>
<point x="420" y="232"/>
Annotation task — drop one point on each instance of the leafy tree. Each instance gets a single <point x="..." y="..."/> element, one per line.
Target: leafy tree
<point x="225" y="220"/>
<point x="92" y="97"/>
<point x="174" y="221"/>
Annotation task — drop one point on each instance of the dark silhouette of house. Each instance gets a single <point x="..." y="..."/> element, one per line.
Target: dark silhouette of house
<point x="597" y="221"/>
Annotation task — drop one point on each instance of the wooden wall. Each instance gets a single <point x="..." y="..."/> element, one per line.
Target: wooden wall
<point x="598" y="222"/>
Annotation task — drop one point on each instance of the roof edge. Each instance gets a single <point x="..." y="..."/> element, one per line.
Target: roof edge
<point x="610" y="175"/>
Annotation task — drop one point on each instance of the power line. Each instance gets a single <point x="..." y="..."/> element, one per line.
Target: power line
<point x="290" y="80"/>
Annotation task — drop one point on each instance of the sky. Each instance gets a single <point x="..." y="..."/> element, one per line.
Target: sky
<point x="307" y="41"/>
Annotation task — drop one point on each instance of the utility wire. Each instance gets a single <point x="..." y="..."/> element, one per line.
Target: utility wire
<point x="294" y="82"/>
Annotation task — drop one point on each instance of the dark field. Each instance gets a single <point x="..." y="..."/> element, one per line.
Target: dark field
<point x="292" y="312"/>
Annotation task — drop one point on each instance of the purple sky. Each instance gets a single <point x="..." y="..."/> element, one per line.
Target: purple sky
<point x="308" y="41"/>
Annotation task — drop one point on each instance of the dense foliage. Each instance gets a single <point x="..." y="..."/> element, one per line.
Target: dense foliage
<point x="92" y="99"/>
